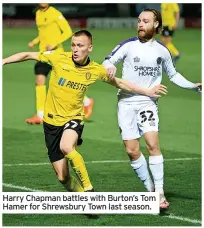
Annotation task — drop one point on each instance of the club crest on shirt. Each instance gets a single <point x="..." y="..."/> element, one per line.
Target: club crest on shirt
<point x="159" y="60"/>
<point x="136" y="59"/>
<point x="88" y="75"/>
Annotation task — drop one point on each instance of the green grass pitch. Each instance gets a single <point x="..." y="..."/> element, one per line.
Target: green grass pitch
<point x="180" y="137"/>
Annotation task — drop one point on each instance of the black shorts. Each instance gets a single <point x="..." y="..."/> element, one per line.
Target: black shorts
<point x="53" y="136"/>
<point x="42" y="68"/>
<point x="167" y="32"/>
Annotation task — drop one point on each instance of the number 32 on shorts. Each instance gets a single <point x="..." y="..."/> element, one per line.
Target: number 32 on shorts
<point x="147" y="115"/>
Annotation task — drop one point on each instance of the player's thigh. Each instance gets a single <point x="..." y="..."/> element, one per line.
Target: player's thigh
<point x="68" y="141"/>
<point x="127" y="121"/>
<point x="41" y="68"/>
<point x="61" y="169"/>
<point x="71" y="136"/>
<point x="147" y="118"/>
<point x="53" y="136"/>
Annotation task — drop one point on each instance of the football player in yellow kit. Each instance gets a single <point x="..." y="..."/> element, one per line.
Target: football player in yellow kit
<point x="170" y="18"/>
<point x="72" y="73"/>
<point x="53" y="30"/>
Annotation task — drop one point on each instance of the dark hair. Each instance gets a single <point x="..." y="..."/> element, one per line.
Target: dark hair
<point x="157" y="17"/>
<point x="84" y="32"/>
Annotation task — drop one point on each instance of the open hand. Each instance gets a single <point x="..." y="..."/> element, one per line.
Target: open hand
<point x="157" y="90"/>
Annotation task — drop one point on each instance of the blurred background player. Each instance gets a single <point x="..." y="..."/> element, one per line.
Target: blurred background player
<point x="170" y="18"/>
<point x="53" y="30"/>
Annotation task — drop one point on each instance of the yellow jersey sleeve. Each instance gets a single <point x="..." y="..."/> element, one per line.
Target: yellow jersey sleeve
<point x="36" y="40"/>
<point x="49" y="57"/>
<point x="102" y="74"/>
<point x="176" y="7"/>
<point x="63" y="25"/>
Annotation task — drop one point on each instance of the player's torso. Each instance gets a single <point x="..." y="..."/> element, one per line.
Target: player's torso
<point x="70" y="79"/>
<point x="143" y="63"/>
<point x="48" y="29"/>
<point x="142" y="66"/>
<point x="67" y="87"/>
<point x="168" y="17"/>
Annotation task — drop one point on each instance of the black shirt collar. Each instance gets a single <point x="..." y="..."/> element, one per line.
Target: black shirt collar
<point x="80" y="65"/>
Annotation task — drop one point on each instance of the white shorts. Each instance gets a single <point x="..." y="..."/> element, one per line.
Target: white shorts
<point x="135" y="119"/>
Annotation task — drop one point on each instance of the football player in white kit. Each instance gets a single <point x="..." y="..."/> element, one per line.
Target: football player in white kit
<point x="144" y="59"/>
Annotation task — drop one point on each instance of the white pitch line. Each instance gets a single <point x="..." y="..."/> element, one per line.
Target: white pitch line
<point x="27" y="164"/>
<point x="171" y="216"/>
<point x="104" y="161"/>
<point x="21" y="187"/>
<point x="194" y="221"/>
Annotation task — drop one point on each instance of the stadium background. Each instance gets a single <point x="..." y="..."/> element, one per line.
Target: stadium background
<point x="25" y="164"/>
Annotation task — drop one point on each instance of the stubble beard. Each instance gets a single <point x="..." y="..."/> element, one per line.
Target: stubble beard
<point x="148" y="35"/>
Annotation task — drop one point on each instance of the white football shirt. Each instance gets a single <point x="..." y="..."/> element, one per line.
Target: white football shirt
<point x="143" y="64"/>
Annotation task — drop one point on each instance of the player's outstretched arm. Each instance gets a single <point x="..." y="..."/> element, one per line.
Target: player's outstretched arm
<point x="182" y="82"/>
<point x="176" y="77"/>
<point x="21" y="56"/>
<point x="126" y="85"/>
